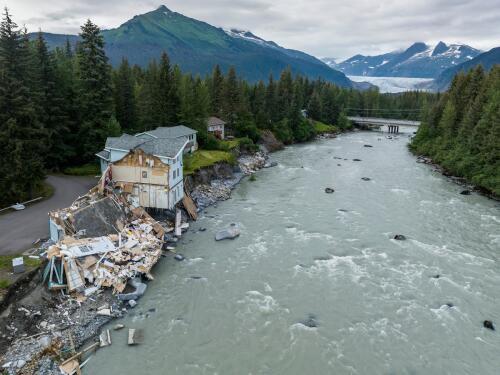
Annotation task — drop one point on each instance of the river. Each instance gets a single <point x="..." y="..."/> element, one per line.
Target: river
<point x="304" y="258"/>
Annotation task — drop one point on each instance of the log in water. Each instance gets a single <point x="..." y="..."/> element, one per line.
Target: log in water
<point x="316" y="282"/>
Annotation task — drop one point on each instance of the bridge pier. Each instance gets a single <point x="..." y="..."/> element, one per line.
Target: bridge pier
<point x="393" y="129"/>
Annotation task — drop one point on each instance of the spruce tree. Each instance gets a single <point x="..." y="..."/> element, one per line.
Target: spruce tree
<point x="95" y="93"/>
<point x="124" y="98"/>
<point x="216" y="91"/>
<point x="51" y="106"/>
<point x="21" y="134"/>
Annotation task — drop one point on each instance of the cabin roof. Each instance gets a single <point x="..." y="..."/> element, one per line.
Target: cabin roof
<point x="214" y="121"/>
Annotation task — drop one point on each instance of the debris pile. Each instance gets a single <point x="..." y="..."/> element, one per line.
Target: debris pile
<point x="105" y="242"/>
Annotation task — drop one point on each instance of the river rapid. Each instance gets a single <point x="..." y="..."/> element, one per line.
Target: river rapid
<point x="306" y="258"/>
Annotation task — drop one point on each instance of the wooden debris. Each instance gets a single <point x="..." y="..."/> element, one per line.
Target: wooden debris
<point x="135" y="336"/>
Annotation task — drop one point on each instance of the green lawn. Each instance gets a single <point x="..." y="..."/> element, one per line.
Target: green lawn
<point x="89" y="169"/>
<point x="205" y="158"/>
<point x="321" y="128"/>
<point x="6" y="268"/>
<point x="231" y="143"/>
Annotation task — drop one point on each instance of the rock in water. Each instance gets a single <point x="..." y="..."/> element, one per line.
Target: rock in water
<point x="400" y="237"/>
<point x="229" y="233"/>
<point x="356" y="159"/>
<point x="366" y="178"/>
<point x="368" y="146"/>
<point x="270" y="164"/>
<point x="329" y="190"/>
<point x="489" y="324"/>
<point x="465" y="192"/>
<point x="311" y="321"/>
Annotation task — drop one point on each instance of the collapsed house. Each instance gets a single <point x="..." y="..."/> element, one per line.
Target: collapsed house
<point x="102" y="241"/>
<point x="149" y="165"/>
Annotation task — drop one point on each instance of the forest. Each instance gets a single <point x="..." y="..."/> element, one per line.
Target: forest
<point x="58" y="106"/>
<point x="461" y="132"/>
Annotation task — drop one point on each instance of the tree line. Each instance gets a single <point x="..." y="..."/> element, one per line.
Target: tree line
<point x="461" y="131"/>
<point x="58" y="106"/>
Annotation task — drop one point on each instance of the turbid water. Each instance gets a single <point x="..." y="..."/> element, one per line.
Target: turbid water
<point x="307" y="258"/>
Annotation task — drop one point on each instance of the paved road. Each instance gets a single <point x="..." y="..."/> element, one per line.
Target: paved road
<point x="19" y="229"/>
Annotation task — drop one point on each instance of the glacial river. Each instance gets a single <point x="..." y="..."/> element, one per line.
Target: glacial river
<point x="306" y="258"/>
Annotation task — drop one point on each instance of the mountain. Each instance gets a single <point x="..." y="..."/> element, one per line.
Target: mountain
<point x="418" y="61"/>
<point x="330" y="61"/>
<point x="486" y="59"/>
<point x="197" y="47"/>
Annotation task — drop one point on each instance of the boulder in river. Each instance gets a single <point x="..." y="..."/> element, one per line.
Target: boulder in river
<point x="366" y="178"/>
<point x="311" y="321"/>
<point x="329" y="190"/>
<point x="465" y="192"/>
<point x="229" y="233"/>
<point x="270" y="164"/>
<point x="400" y="237"/>
<point x="488" y="324"/>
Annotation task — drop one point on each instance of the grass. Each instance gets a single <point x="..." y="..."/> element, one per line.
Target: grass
<point x="6" y="261"/>
<point x="89" y="169"/>
<point x="4" y="284"/>
<point x="45" y="190"/>
<point x="6" y="276"/>
<point x="205" y="158"/>
<point x="322" y="128"/>
<point x="231" y="143"/>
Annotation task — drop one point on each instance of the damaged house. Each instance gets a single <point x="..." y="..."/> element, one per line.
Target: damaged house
<point x="148" y="166"/>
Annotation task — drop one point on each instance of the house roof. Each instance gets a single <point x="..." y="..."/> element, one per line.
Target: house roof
<point x="213" y="121"/>
<point x="154" y="146"/>
<point x="171" y="132"/>
<point x="124" y="142"/>
<point x="103" y="154"/>
<point x="160" y="147"/>
<point x="166" y="142"/>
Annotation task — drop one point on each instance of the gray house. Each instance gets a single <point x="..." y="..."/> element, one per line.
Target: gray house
<point x="174" y="132"/>
<point x="148" y="165"/>
<point x="216" y="126"/>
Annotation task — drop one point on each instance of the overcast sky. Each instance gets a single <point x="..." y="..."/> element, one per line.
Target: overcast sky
<point x="324" y="28"/>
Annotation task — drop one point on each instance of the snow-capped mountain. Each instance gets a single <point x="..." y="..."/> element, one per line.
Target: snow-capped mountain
<point x="419" y="60"/>
<point x="330" y="61"/>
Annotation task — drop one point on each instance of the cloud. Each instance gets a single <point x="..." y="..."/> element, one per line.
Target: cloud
<point x="320" y="27"/>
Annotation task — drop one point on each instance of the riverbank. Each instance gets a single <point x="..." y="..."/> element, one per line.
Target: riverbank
<point x="39" y="326"/>
<point x="462" y="181"/>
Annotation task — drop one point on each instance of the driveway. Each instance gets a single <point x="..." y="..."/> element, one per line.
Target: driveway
<point x="19" y="229"/>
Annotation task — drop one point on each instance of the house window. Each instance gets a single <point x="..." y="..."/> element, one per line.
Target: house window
<point x="144" y="174"/>
<point x="174" y="173"/>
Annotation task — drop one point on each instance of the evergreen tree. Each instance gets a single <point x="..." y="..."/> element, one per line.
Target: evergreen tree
<point x="51" y="106"/>
<point x="124" y="98"/>
<point x="231" y="102"/>
<point x="95" y="93"/>
<point x="168" y="100"/>
<point x="21" y="134"/>
<point x="216" y="92"/>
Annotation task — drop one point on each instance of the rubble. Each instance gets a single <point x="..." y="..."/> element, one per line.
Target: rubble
<point x="135" y="336"/>
<point x="128" y="244"/>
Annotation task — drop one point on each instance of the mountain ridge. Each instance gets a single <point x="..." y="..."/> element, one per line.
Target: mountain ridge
<point x="420" y="60"/>
<point x="486" y="59"/>
<point x="198" y="46"/>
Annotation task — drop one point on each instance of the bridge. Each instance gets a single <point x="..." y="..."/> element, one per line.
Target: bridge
<point x="377" y="122"/>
